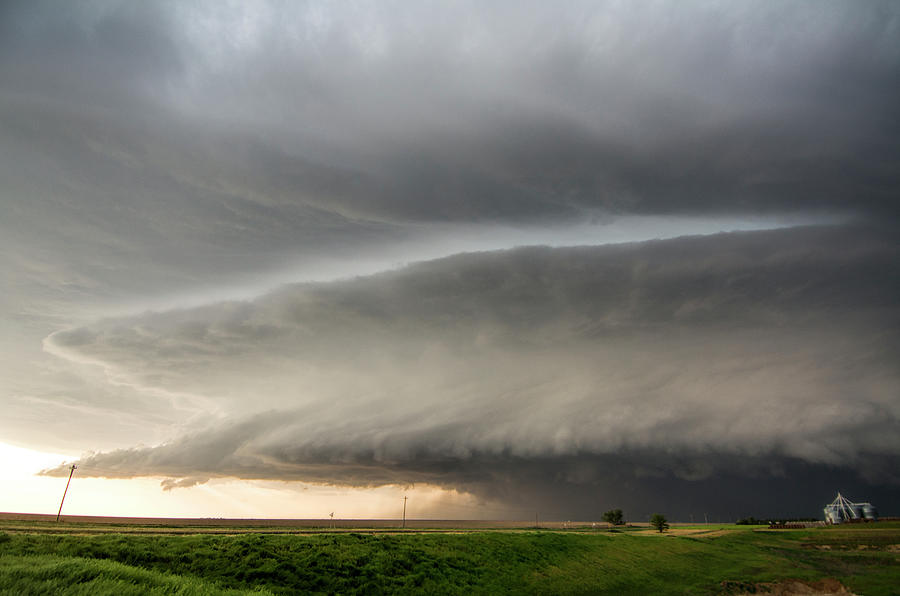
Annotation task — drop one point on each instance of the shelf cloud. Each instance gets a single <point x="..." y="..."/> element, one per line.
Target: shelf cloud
<point x="293" y="240"/>
<point x="673" y="359"/>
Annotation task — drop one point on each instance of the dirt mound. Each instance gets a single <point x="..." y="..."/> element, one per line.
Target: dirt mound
<point x="788" y="587"/>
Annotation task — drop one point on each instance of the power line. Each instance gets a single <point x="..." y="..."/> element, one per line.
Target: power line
<point x="71" y="471"/>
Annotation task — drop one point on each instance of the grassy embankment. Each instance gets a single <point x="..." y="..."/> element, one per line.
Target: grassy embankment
<point x="864" y="558"/>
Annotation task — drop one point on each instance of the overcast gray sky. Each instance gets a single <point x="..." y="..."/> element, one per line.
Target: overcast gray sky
<point x="581" y="253"/>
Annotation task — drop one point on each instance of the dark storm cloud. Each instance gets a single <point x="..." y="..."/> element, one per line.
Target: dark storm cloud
<point x="100" y="55"/>
<point x="172" y="149"/>
<point x="740" y="354"/>
<point x="467" y="111"/>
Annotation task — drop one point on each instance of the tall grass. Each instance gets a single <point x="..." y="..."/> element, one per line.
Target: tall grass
<point x="39" y="575"/>
<point x="474" y="563"/>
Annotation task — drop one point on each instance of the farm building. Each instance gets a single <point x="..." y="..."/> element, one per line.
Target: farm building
<point x="843" y="510"/>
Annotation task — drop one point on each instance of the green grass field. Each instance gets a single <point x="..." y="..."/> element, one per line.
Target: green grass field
<point x="713" y="560"/>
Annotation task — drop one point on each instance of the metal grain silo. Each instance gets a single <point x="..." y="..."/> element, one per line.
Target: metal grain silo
<point x="869" y="511"/>
<point x="833" y="514"/>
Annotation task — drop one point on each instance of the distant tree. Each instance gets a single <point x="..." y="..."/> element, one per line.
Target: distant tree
<point x="659" y="522"/>
<point x="614" y="517"/>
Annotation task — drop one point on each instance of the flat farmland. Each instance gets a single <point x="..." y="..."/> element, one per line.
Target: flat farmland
<point x="98" y="524"/>
<point x="82" y="555"/>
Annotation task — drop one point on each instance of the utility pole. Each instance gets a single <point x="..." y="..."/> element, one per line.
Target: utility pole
<point x="536" y="523"/>
<point x="404" y="510"/>
<point x="71" y="471"/>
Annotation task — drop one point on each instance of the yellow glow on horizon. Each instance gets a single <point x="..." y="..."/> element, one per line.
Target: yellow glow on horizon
<point x="27" y="492"/>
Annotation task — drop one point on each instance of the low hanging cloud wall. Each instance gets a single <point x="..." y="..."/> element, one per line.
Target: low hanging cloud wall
<point x="748" y="355"/>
